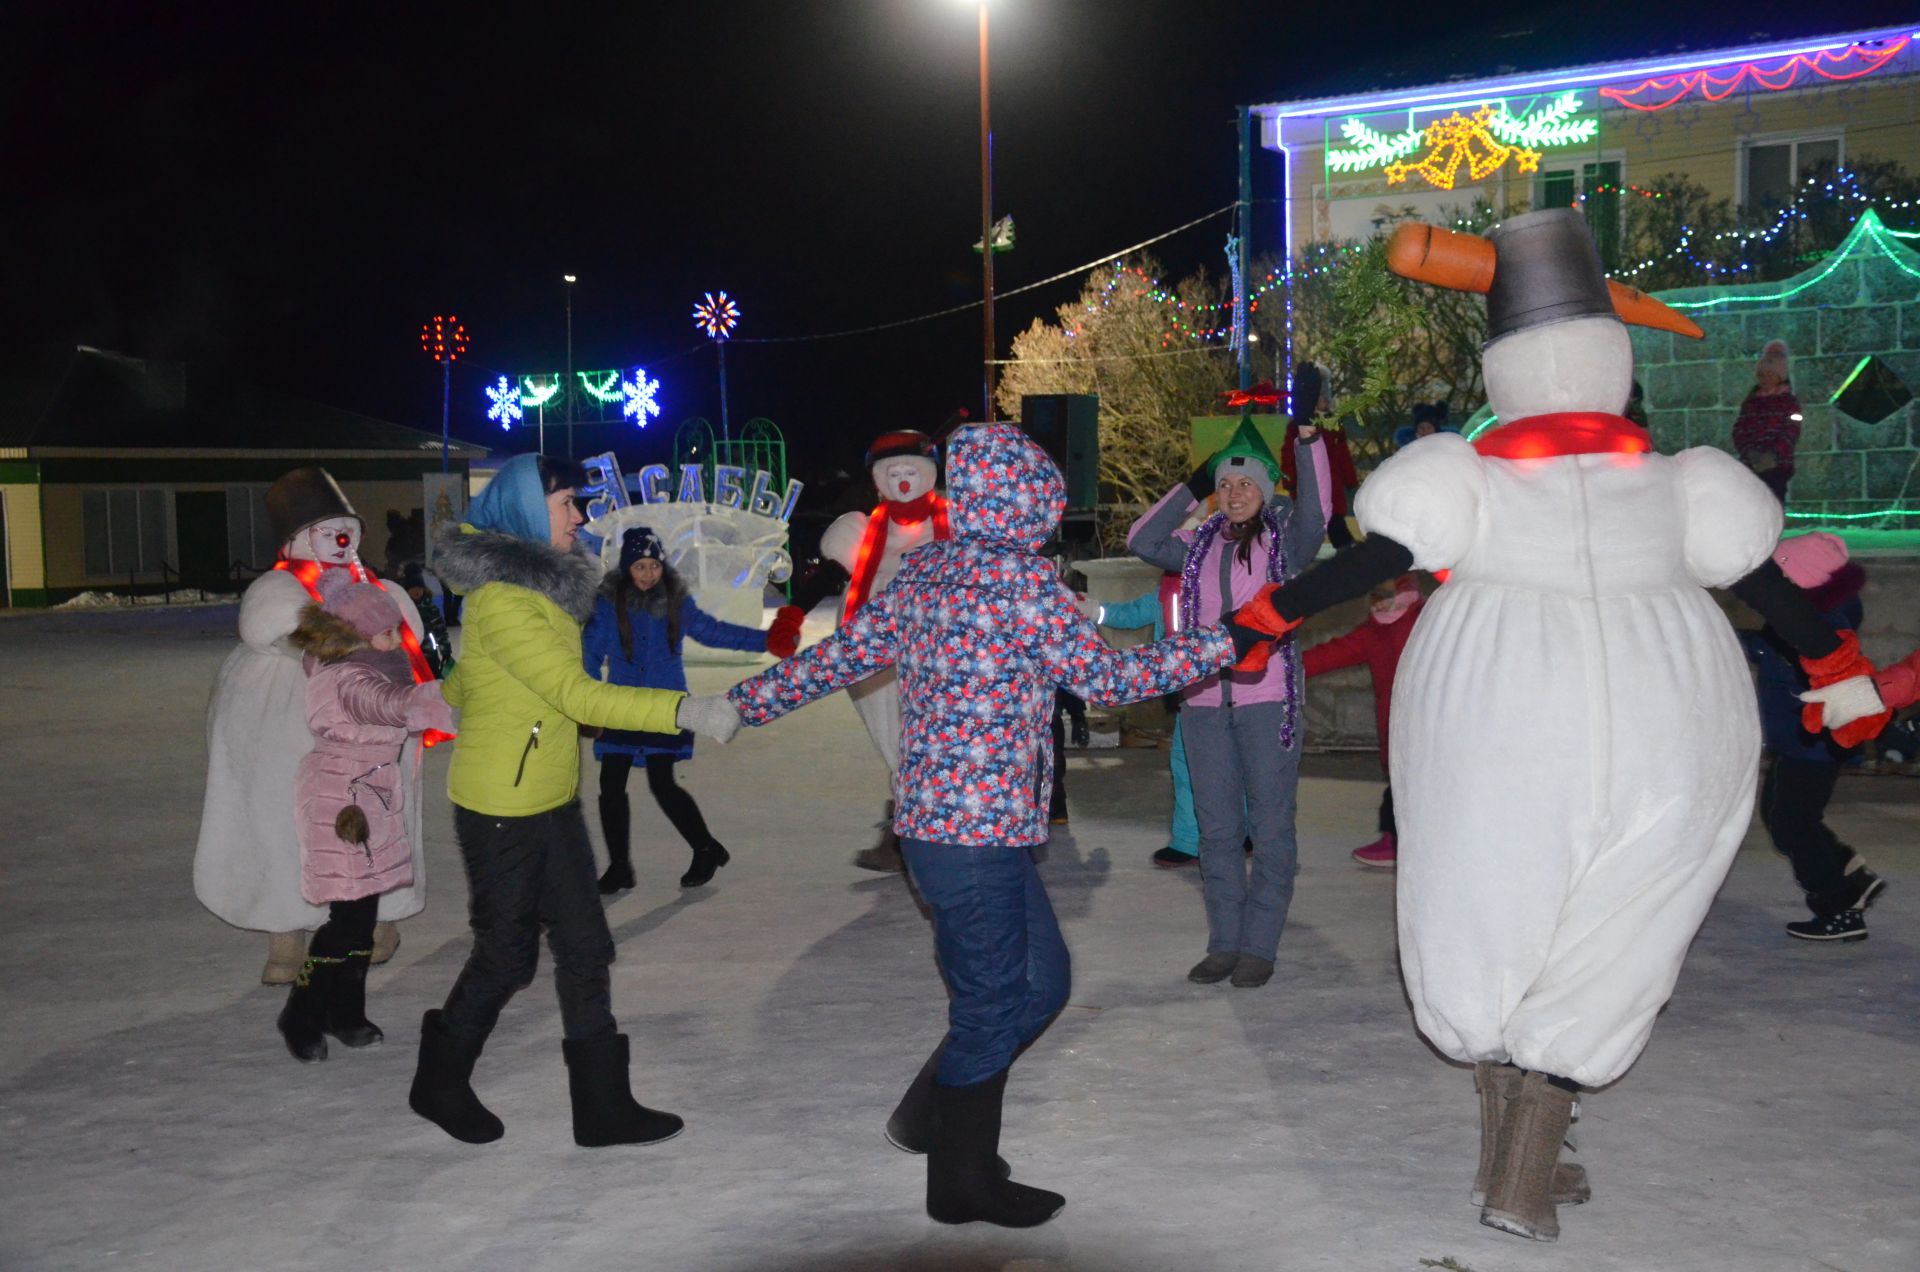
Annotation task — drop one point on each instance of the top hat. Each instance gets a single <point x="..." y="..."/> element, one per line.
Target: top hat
<point x="302" y="497"/>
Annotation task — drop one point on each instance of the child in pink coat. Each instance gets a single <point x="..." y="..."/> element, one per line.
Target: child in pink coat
<point x="349" y="804"/>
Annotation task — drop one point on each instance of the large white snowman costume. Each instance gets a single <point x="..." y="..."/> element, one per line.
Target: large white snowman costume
<point x="871" y="546"/>
<point x="1574" y="729"/>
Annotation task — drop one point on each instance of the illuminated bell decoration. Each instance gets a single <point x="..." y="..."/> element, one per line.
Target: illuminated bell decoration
<point x="443" y="338"/>
<point x="716" y="316"/>
<point x="505" y="411"/>
<point x="1483" y="142"/>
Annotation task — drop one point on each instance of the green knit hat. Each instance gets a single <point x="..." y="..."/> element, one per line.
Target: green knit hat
<point x="1246" y="455"/>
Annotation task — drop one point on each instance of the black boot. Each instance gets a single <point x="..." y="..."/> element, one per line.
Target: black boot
<point x="604" y="1110"/>
<point x="705" y="862"/>
<point x="346" y="1014"/>
<point x="910" y="1129"/>
<point x="442" y="1085"/>
<point x="616" y="818"/>
<point x="303" y="1019"/>
<point x="962" y="1184"/>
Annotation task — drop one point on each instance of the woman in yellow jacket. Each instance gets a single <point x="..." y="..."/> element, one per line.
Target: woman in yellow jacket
<point x="514" y="785"/>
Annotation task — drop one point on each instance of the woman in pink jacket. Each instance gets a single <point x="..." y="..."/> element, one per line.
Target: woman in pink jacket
<point x="349" y="804"/>
<point x="1241" y="729"/>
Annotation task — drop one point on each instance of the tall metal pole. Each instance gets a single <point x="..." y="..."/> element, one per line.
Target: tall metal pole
<point x="570" y="385"/>
<point x="446" y="400"/>
<point x="725" y="433"/>
<point x="986" y="215"/>
<point x="1243" y="311"/>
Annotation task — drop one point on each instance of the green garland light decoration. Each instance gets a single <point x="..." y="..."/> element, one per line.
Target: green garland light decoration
<point x="1551" y="125"/>
<point x="534" y="394"/>
<point x="1373" y="149"/>
<point x="606" y="390"/>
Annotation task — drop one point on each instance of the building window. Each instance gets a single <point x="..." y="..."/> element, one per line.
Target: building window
<point x="250" y="539"/>
<point x="1771" y="170"/>
<point x="1595" y="189"/>
<point x="125" y="531"/>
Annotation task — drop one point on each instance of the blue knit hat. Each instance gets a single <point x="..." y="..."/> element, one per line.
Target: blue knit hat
<point x="640" y="544"/>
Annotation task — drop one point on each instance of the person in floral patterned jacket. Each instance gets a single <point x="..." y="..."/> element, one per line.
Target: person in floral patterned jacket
<point x="982" y="632"/>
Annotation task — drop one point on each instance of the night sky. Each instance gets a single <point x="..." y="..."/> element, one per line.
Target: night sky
<point x="282" y="195"/>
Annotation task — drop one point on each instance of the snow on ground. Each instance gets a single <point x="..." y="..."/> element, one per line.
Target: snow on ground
<point x="151" y="1118"/>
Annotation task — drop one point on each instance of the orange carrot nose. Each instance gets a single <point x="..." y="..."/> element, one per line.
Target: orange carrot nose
<point x="1641" y="310"/>
<point x="1445" y="258"/>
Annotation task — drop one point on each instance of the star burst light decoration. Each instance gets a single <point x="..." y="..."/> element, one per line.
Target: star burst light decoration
<point x="444" y="338"/>
<point x="639" y="392"/>
<point x="505" y="410"/>
<point x="716" y="316"/>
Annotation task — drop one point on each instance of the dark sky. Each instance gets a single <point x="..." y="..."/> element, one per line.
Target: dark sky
<point x="283" y="193"/>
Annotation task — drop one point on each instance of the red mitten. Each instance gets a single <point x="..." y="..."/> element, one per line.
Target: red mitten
<point x="1255" y="626"/>
<point x="1843" y="663"/>
<point x="783" y="637"/>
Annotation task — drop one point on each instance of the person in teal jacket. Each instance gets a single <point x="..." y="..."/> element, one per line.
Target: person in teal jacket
<point x="1149" y="609"/>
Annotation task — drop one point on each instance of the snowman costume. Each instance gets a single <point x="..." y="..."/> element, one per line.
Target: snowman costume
<point x="1574" y="736"/>
<point x="870" y="547"/>
<point x="246" y="865"/>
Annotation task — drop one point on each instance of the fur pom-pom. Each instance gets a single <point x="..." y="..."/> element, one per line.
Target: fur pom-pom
<point x="351" y="825"/>
<point x="327" y="637"/>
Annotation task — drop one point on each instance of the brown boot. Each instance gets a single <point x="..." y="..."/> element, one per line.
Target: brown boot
<point x="286" y="955"/>
<point x="884" y="856"/>
<point x="386" y="939"/>
<point x="1495" y="1083"/>
<point x="1519" y="1188"/>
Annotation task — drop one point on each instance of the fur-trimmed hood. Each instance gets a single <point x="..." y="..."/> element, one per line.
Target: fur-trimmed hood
<point x="326" y="637"/>
<point x="467" y="560"/>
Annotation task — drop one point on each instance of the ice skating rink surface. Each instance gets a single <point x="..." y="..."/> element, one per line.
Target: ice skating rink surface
<point x="151" y="1118"/>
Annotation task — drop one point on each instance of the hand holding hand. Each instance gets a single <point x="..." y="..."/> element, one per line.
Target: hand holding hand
<point x="1845" y="663"/>
<point x="1255" y="627"/>
<point x="1087" y="606"/>
<point x="1842" y="704"/>
<point x="709" y="714"/>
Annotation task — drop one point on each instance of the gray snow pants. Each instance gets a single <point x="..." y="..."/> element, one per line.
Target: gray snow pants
<point x="1241" y="774"/>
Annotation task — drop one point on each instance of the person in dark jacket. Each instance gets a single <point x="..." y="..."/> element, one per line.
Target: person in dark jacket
<point x="982" y="632"/>
<point x="1767" y="430"/>
<point x="639" y="619"/>
<point x="1806" y="766"/>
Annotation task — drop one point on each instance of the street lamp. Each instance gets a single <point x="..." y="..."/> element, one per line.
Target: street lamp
<point x="986" y="217"/>
<point x="570" y="280"/>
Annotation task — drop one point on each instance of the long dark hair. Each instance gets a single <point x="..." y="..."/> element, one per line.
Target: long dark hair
<point x="1246" y="534"/>
<point x="668" y="593"/>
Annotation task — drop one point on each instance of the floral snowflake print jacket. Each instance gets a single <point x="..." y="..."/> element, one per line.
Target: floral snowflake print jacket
<point x="982" y="632"/>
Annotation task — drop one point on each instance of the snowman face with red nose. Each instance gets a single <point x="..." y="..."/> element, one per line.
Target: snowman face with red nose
<point x="334" y="541"/>
<point x="904" y="478"/>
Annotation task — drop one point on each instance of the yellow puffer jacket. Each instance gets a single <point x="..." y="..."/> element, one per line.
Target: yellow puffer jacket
<point x="519" y="683"/>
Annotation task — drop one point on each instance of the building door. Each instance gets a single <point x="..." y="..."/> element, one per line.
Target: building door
<point x="200" y="528"/>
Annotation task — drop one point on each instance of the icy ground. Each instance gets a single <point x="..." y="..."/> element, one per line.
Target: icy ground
<point x="150" y="1118"/>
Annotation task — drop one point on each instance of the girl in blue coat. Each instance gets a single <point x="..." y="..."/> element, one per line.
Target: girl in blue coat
<point x="639" y="620"/>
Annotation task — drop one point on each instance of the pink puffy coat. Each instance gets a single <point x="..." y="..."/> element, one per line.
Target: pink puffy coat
<point x="360" y="710"/>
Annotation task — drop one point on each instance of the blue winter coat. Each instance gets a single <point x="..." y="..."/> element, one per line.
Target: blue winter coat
<point x="656" y="664"/>
<point x="1779" y="680"/>
<point x="982" y="631"/>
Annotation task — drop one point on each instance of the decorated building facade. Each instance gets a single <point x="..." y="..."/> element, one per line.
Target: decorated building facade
<point x="131" y="475"/>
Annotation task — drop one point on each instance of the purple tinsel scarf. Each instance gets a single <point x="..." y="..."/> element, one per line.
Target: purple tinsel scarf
<point x="1203" y="541"/>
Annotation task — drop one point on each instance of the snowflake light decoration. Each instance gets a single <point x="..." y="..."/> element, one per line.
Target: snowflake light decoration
<point x="505" y="410"/>
<point x="716" y="316"/>
<point x="639" y="393"/>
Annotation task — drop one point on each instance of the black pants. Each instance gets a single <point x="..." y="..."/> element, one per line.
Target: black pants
<point x="524" y="873"/>
<point x="348" y="929"/>
<point x="616" y="814"/>
<point x="1387" y="825"/>
<point x="1793" y="805"/>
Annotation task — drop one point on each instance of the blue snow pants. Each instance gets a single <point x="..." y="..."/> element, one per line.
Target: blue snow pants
<point x="999" y="948"/>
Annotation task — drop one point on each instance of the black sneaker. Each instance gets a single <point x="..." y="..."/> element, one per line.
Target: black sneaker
<point x="1848" y="925"/>
<point x="1171" y="858"/>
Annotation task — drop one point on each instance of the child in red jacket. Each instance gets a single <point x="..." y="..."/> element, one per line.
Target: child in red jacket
<point x="1377" y="642"/>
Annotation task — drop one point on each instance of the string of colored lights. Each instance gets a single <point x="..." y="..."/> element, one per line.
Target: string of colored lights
<point x="1776" y="78"/>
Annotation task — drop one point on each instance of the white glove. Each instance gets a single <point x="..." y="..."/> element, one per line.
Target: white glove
<point x="709" y="714"/>
<point x="1087" y="606"/>
<point x="1854" y="698"/>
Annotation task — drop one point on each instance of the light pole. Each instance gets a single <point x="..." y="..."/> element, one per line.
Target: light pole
<point x="986" y="218"/>
<point x="570" y="280"/>
<point x="444" y="340"/>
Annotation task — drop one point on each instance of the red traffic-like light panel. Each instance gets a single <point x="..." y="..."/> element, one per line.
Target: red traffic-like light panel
<point x="443" y="338"/>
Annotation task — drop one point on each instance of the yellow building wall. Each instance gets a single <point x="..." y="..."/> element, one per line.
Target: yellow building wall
<point x="25" y="569"/>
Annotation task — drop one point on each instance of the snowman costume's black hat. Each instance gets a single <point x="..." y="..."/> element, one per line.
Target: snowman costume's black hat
<point x="1546" y="271"/>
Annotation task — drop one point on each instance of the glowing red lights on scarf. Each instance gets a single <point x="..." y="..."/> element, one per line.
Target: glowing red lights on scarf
<point x="308" y="573"/>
